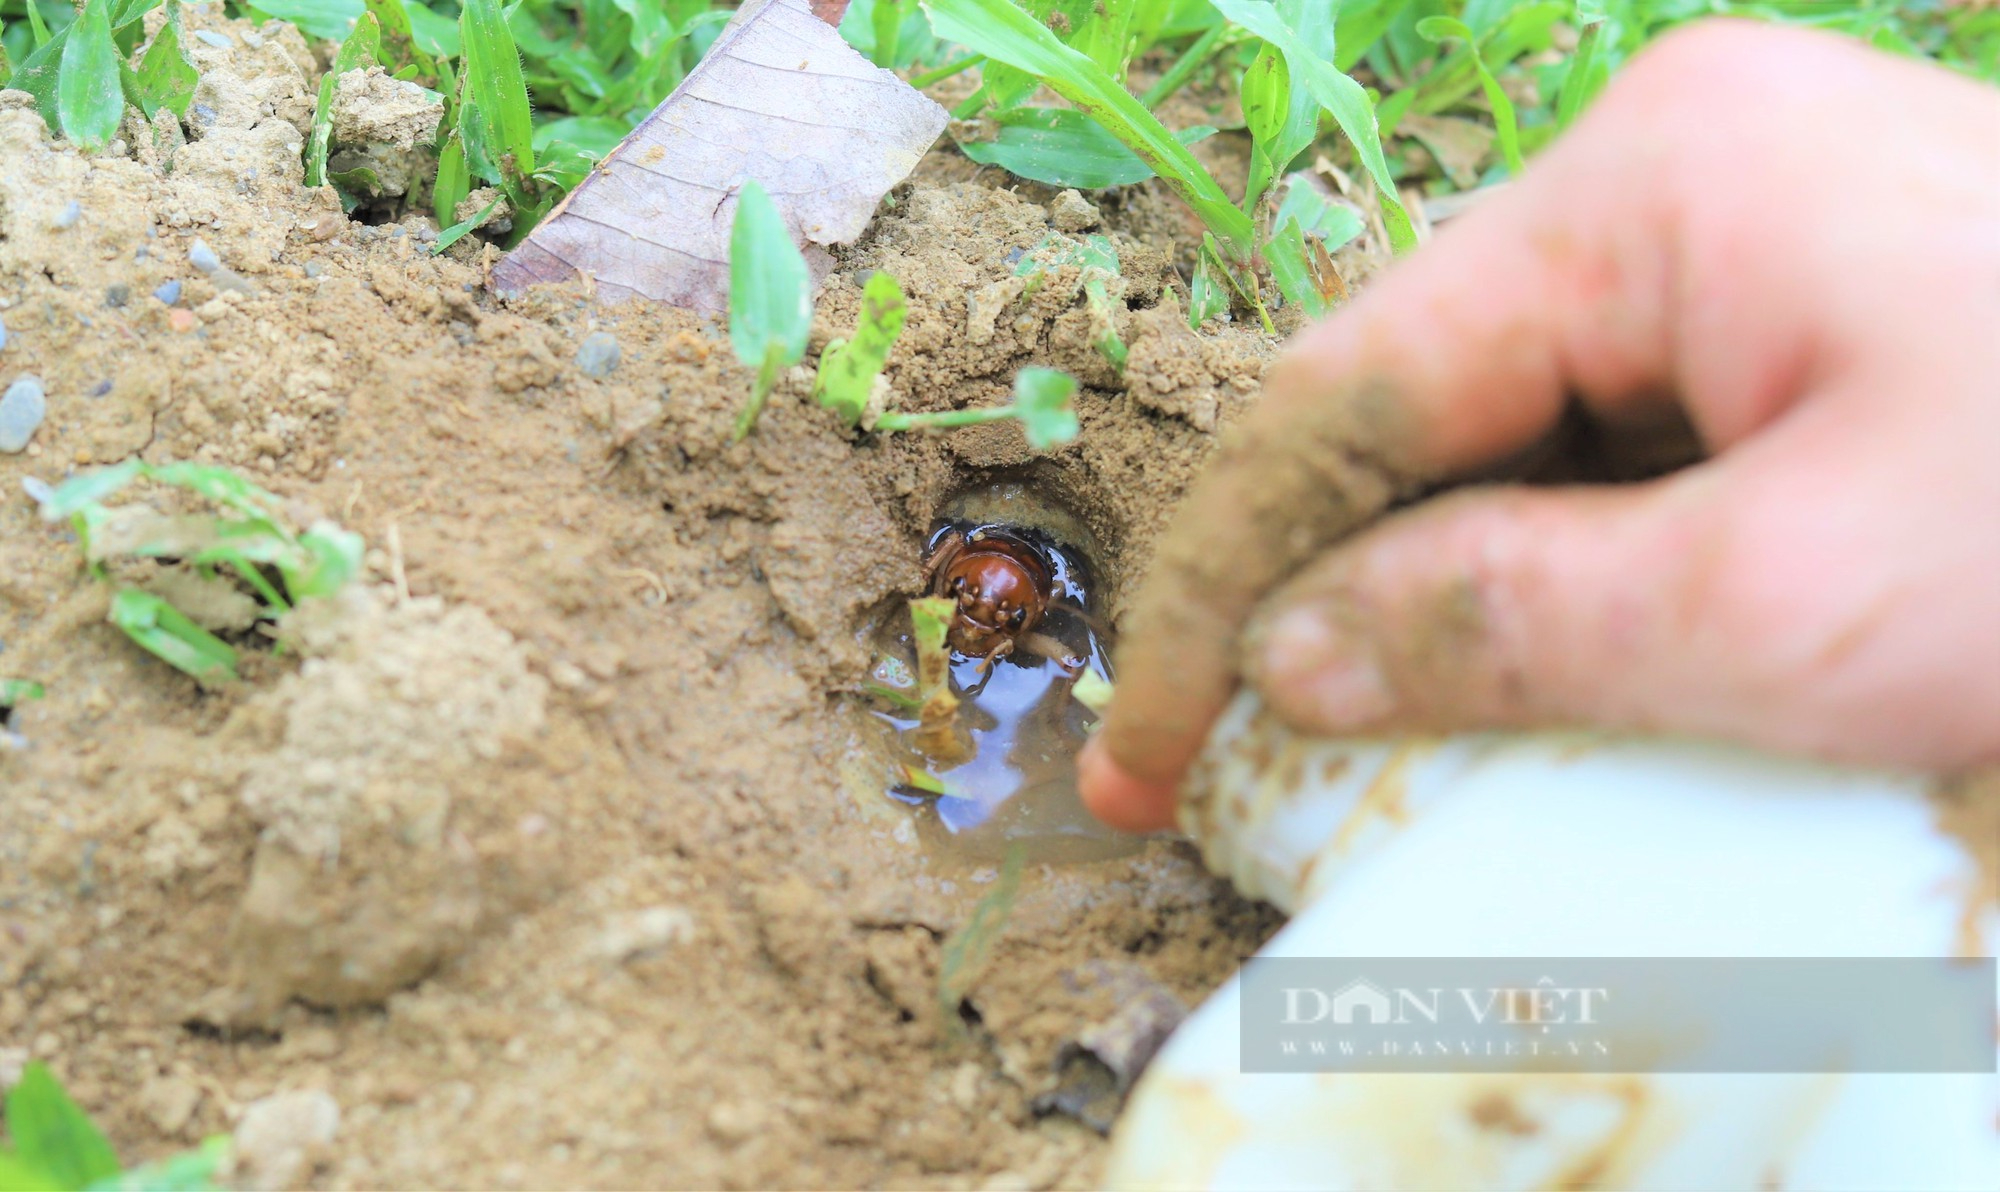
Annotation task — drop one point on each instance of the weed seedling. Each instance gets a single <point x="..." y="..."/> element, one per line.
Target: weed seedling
<point x="848" y="368"/>
<point x="1041" y="403"/>
<point x="770" y="297"/>
<point x="247" y="540"/>
<point x="53" y="1145"/>
<point x="1096" y="261"/>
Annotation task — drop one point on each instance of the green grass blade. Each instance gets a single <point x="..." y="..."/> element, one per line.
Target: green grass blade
<point x="847" y="371"/>
<point x="84" y="489"/>
<point x="492" y="69"/>
<point x="89" y="100"/>
<point x="362" y="48"/>
<point x="458" y="231"/>
<point x="166" y="78"/>
<point x="1586" y="75"/>
<point x="50" y="1134"/>
<point x="1341" y="96"/>
<point x="16" y="1176"/>
<point x="1042" y="402"/>
<point x="220" y="485"/>
<point x="37" y="24"/>
<point x="1064" y="147"/>
<point x="1286" y="254"/>
<point x="164" y="632"/>
<point x="37" y="75"/>
<point x="454" y="183"/>
<point x="1004" y="33"/>
<point x="1441" y="29"/>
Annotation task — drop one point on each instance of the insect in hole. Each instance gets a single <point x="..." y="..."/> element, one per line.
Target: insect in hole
<point x="1004" y="584"/>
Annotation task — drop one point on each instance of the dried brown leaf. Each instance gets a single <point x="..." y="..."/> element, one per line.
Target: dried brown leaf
<point x="779" y="98"/>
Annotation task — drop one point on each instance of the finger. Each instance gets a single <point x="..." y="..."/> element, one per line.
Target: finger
<point x="1116" y="798"/>
<point x="1493" y="609"/>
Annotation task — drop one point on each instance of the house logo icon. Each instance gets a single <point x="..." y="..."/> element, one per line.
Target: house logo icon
<point x="1363" y="997"/>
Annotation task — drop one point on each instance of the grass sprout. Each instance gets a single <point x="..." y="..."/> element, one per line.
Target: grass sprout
<point x="247" y="540"/>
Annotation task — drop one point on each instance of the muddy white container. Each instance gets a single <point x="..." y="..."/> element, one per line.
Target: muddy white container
<point x="1565" y="846"/>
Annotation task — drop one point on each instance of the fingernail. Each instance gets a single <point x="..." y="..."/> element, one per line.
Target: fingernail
<point x="1319" y="671"/>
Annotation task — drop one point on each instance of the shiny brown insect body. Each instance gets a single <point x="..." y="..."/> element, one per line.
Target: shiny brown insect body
<point x="1004" y="585"/>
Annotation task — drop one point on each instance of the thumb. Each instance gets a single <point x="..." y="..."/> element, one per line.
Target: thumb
<point x="1498" y="608"/>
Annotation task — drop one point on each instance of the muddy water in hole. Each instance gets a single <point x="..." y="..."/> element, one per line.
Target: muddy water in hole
<point x="1019" y="785"/>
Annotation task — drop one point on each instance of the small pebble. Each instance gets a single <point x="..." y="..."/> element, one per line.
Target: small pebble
<point x="101" y="388"/>
<point x="117" y="295"/>
<point x="169" y="292"/>
<point x="313" y="269"/>
<point x="598" y="354"/>
<point x="71" y="212"/>
<point x="21" y="412"/>
<point x="220" y="41"/>
<point x="202" y="257"/>
<point x="39" y="490"/>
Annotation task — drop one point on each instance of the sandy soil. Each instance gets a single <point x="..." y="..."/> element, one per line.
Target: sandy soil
<point x="542" y="853"/>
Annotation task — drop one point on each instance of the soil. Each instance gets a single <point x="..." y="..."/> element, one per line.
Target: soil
<point x="543" y="854"/>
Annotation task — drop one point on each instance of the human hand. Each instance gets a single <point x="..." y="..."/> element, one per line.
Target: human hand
<point x="1792" y="238"/>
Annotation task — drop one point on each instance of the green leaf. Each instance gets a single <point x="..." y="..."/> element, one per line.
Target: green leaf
<point x="36" y="23"/>
<point x="163" y="631"/>
<point x="1440" y="29"/>
<point x="498" y="94"/>
<point x="1286" y="254"/>
<point x="1296" y="122"/>
<point x="1341" y="96"/>
<point x="1096" y="260"/>
<point x="16" y="1176"/>
<point x="334" y="557"/>
<point x="220" y="485"/>
<point x="399" y="44"/>
<point x="50" y="1133"/>
<point x="89" y="100"/>
<point x="453" y="184"/>
<point x="456" y="232"/>
<point x="189" y="1171"/>
<point x="89" y="488"/>
<point x="14" y="692"/>
<point x="1333" y="223"/>
<point x="848" y="368"/>
<point x="1207" y="297"/>
<point x="1586" y="75"/>
<point x="37" y="75"/>
<point x="166" y="78"/>
<point x="363" y="47"/>
<point x="770" y="296"/>
<point x="1042" y="402"/>
<point x="1064" y="147"/>
<point x="1006" y="34"/>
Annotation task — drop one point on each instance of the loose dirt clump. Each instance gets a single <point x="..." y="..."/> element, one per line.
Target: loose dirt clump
<point x="537" y="856"/>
